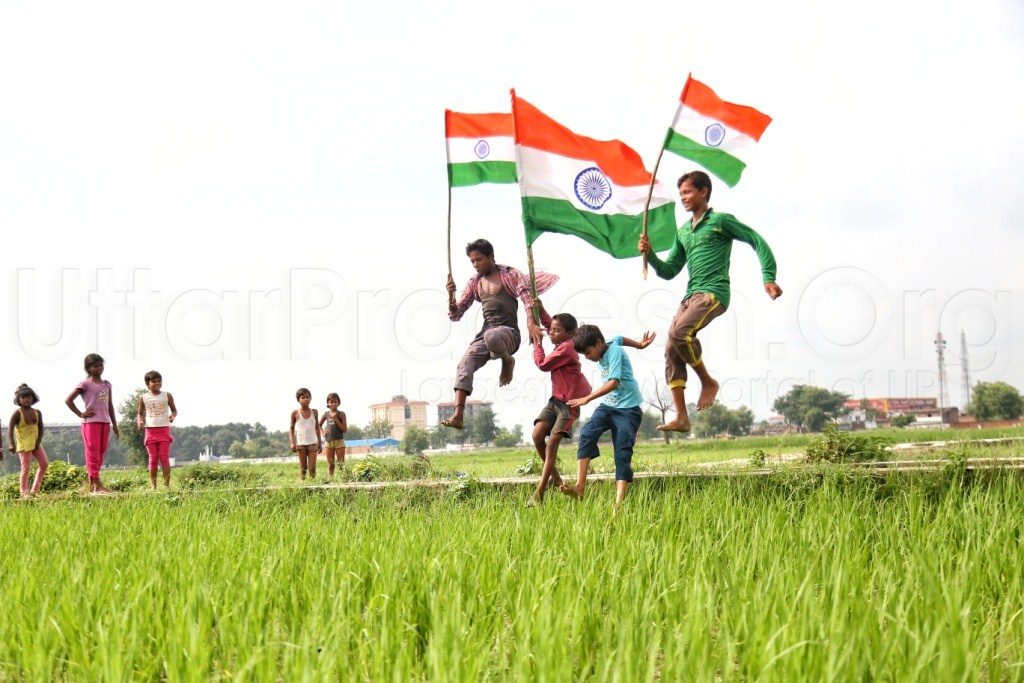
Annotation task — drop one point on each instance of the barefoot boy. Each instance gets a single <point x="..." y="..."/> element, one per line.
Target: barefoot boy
<point x="619" y="411"/>
<point x="567" y="383"/>
<point x="497" y="288"/>
<point x="704" y="245"/>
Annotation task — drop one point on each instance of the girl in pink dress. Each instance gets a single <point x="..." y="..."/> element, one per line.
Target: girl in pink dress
<point x="98" y="418"/>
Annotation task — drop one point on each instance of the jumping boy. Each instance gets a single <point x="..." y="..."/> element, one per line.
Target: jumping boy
<point x="497" y="288"/>
<point x="556" y="420"/>
<point x="619" y="411"/>
<point x="704" y="245"/>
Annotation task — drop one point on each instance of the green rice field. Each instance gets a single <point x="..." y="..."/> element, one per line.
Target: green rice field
<point x="822" y="574"/>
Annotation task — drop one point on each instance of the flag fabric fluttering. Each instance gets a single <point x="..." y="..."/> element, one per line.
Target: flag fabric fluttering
<point x="592" y="189"/>
<point x="480" y="148"/>
<point x="714" y="133"/>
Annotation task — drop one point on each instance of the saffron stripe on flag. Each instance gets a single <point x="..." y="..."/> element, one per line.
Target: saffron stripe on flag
<point x="620" y="163"/>
<point x="742" y="118"/>
<point x="464" y="175"/>
<point x="722" y="164"/>
<point x="458" y="125"/>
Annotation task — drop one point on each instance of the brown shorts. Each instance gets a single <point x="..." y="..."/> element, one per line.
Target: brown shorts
<point x="560" y="416"/>
<point x="683" y="347"/>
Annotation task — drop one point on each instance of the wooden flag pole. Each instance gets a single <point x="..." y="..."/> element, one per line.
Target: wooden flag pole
<point x="654" y="175"/>
<point x="647" y="206"/>
<point x="449" y="226"/>
<point x="533" y="284"/>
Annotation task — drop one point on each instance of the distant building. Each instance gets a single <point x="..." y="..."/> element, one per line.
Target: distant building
<point x="359" y="446"/>
<point x="871" y="412"/>
<point x="447" y="409"/>
<point x="401" y="413"/>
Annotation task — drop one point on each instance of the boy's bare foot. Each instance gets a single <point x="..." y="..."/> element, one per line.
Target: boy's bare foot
<point x="454" y="423"/>
<point x="680" y="424"/>
<point x="571" y="491"/>
<point x="533" y="501"/>
<point x="708" y="392"/>
<point x="507" y="366"/>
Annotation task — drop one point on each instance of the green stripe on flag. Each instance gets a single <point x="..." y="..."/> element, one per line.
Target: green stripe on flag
<point x="722" y="164"/>
<point x="463" y="175"/>
<point x="613" y="234"/>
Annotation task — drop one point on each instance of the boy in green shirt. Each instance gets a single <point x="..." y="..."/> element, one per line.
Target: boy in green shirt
<point x="704" y="245"/>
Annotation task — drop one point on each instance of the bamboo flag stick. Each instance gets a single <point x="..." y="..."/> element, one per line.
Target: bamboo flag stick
<point x="533" y="284"/>
<point x="529" y="245"/>
<point x="449" y="226"/>
<point x="650" y="193"/>
<point x="654" y="175"/>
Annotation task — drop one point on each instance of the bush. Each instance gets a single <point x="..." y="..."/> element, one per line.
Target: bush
<point x="392" y="468"/>
<point x="758" y="459"/>
<point x="843" y="447"/>
<point x="531" y="466"/>
<point x="212" y="476"/>
<point x="900" y="421"/>
<point x="62" y="476"/>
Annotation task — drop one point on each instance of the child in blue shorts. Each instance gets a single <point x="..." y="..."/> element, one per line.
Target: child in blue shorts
<point x="619" y="411"/>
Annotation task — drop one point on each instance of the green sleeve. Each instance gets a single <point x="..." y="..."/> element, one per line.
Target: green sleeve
<point x="741" y="232"/>
<point x="673" y="263"/>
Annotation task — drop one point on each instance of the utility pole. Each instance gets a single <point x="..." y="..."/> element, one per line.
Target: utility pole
<point x="940" y="351"/>
<point x="965" y="371"/>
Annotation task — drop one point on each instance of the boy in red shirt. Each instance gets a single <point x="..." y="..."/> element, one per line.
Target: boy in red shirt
<point x="567" y="382"/>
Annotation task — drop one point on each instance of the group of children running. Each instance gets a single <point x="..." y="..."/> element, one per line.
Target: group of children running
<point x="703" y="244"/>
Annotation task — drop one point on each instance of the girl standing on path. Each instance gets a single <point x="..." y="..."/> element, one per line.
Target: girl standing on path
<point x="334" y="435"/>
<point x="26" y="433"/>
<point x="98" y="418"/>
<point x="156" y="413"/>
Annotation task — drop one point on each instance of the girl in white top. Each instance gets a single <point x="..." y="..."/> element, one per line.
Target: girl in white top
<point x="304" y="433"/>
<point x="156" y="413"/>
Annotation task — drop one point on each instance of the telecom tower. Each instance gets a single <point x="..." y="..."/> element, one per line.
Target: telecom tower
<point x="940" y="350"/>
<point x="965" y="371"/>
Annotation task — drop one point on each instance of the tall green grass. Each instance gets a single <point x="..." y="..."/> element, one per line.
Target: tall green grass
<point x="826" y="575"/>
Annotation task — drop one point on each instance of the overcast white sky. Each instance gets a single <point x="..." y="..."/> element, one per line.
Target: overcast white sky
<point x="251" y="197"/>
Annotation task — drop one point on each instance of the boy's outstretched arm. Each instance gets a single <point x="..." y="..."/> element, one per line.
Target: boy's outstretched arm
<point x="744" y="233"/>
<point x="644" y="342"/>
<point x="608" y="387"/>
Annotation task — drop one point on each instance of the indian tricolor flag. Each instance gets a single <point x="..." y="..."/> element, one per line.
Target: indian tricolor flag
<point x="714" y="133"/>
<point x="480" y="148"/>
<point x="593" y="189"/>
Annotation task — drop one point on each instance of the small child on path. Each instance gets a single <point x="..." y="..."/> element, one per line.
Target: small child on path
<point x="556" y="420"/>
<point x="98" y="418"/>
<point x="156" y="413"/>
<point x="304" y="433"/>
<point x="619" y="411"/>
<point x="26" y="434"/>
<point x="334" y="435"/>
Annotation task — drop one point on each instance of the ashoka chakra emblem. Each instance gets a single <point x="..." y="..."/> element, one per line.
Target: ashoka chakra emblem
<point x="714" y="134"/>
<point x="482" y="149"/>
<point x="592" y="188"/>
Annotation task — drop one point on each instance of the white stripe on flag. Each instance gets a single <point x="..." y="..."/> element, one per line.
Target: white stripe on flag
<point x="699" y="128"/>
<point x="553" y="176"/>
<point x="469" y="150"/>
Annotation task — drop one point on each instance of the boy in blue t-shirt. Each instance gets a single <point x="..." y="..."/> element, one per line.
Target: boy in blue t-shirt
<point x="619" y="411"/>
